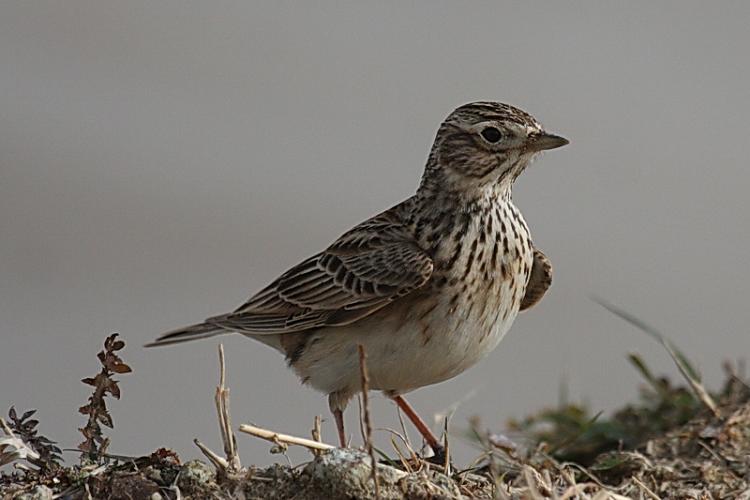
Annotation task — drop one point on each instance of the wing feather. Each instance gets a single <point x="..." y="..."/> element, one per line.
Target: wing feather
<point x="361" y="272"/>
<point x="540" y="280"/>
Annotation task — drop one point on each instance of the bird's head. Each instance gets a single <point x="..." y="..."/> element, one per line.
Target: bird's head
<point x="483" y="144"/>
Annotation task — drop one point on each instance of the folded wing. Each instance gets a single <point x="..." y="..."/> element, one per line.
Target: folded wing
<point x="368" y="267"/>
<point x="539" y="280"/>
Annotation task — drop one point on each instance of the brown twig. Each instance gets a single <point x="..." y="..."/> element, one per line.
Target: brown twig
<point x="368" y="425"/>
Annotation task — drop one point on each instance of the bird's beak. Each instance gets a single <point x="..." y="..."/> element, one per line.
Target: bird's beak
<point x="545" y="141"/>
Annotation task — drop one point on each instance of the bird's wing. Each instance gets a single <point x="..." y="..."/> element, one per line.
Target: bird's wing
<point x="540" y="280"/>
<point x="365" y="269"/>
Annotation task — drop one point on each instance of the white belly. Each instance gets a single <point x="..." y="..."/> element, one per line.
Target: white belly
<point x="415" y="343"/>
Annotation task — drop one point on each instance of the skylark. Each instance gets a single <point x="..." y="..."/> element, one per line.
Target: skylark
<point x="428" y="287"/>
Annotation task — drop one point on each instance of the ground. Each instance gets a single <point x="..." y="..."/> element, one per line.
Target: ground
<point x="678" y="441"/>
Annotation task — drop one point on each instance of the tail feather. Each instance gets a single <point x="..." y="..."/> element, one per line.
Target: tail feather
<point x="192" y="332"/>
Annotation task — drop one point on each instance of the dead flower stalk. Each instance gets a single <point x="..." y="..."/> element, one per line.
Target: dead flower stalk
<point x="231" y="464"/>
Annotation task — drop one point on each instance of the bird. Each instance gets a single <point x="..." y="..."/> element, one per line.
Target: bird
<point x="428" y="287"/>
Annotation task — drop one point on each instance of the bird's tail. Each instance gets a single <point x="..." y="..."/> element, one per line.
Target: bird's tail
<point x="192" y="332"/>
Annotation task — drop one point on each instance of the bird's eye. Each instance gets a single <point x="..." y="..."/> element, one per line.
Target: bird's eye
<point x="491" y="134"/>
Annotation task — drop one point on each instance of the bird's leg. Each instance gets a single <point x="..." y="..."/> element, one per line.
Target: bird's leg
<point x="421" y="426"/>
<point x="337" y="402"/>
<point x="338" y="415"/>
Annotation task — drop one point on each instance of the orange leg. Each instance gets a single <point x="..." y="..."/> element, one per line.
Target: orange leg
<point x="338" y="416"/>
<point x="421" y="426"/>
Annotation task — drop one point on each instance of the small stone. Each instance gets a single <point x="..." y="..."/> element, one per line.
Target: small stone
<point x="38" y="493"/>
<point x="154" y="474"/>
<point x="196" y="471"/>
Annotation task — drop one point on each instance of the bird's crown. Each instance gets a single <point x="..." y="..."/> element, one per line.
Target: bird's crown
<point x="480" y="111"/>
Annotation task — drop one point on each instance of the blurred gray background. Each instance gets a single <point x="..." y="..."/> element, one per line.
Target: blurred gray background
<point x="161" y="161"/>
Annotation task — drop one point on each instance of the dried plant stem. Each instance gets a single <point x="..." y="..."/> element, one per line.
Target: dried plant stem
<point x="646" y="489"/>
<point x="317" y="433"/>
<point x="700" y="391"/>
<point x="231" y="464"/>
<point x="225" y="419"/>
<point x="368" y="423"/>
<point x="447" y="463"/>
<point x="403" y="428"/>
<point x="215" y="459"/>
<point x="404" y="460"/>
<point x="361" y="418"/>
<point x="276" y="437"/>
